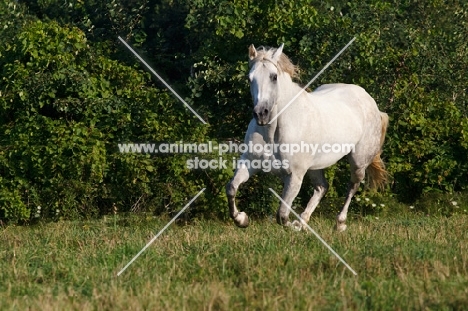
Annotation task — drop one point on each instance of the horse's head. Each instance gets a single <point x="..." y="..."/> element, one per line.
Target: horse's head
<point x="263" y="77"/>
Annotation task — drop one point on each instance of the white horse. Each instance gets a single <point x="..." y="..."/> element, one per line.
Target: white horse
<point x="332" y="115"/>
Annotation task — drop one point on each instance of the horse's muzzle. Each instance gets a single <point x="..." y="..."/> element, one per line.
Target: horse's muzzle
<point x="261" y="115"/>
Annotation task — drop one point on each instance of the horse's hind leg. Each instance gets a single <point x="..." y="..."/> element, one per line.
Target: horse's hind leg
<point x="320" y="189"/>
<point x="292" y="185"/>
<point x="357" y="175"/>
<point x="241" y="175"/>
<point x="341" y="218"/>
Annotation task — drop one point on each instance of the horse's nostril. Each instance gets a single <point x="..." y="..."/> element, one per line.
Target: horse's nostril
<point x="265" y="111"/>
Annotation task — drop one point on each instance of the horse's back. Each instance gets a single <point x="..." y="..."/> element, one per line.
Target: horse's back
<point x="343" y="91"/>
<point x="326" y="88"/>
<point x="346" y="99"/>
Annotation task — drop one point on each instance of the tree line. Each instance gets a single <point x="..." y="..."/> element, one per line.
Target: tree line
<point x="71" y="92"/>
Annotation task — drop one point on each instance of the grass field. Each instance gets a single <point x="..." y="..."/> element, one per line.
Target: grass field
<point x="407" y="262"/>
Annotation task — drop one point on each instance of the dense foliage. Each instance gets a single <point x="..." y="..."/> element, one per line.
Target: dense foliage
<point x="70" y="92"/>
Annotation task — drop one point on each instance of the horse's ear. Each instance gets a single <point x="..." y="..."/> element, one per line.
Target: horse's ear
<point x="252" y="52"/>
<point x="277" y="54"/>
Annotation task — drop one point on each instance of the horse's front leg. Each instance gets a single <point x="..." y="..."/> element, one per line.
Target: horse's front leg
<point x="320" y="189"/>
<point x="292" y="185"/>
<point x="241" y="175"/>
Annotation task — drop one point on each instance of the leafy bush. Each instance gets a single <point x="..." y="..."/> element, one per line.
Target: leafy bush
<point x="65" y="108"/>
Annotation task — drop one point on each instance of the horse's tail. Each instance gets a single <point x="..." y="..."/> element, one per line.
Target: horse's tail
<point x="376" y="172"/>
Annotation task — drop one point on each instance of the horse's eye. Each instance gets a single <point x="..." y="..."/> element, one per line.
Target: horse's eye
<point x="273" y="77"/>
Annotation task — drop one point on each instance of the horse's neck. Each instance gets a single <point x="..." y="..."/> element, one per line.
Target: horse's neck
<point x="272" y="127"/>
<point x="287" y="94"/>
<point x="288" y="90"/>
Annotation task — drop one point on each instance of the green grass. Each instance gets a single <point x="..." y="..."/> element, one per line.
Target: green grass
<point x="407" y="262"/>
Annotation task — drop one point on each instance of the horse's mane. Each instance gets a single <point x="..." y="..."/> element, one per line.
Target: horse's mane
<point x="284" y="64"/>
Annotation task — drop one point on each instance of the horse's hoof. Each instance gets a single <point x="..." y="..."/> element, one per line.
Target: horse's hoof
<point x="296" y="225"/>
<point x="242" y="220"/>
<point x="340" y="227"/>
<point x="283" y="221"/>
